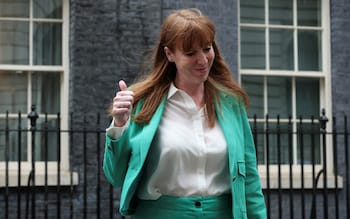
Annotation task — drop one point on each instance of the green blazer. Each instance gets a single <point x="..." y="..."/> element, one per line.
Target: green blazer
<point x="124" y="158"/>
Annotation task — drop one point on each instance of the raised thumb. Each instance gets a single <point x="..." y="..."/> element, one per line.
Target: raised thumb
<point x="122" y="85"/>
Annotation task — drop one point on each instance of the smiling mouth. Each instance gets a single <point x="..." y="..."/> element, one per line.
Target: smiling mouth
<point x="202" y="69"/>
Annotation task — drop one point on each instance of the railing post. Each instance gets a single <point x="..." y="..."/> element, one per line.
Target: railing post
<point x="33" y="116"/>
<point x="323" y="121"/>
<point x="323" y="131"/>
<point x="7" y="159"/>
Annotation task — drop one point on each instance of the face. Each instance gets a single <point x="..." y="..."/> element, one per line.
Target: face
<point x="192" y="66"/>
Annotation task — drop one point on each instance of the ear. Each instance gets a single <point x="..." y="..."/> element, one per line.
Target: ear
<point x="169" y="54"/>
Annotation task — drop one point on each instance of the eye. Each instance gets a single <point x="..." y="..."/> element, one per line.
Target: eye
<point x="207" y="49"/>
<point x="190" y="53"/>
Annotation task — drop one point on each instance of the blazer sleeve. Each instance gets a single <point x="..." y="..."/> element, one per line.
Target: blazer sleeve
<point x="118" y="151"/>
<point x="255" y="201"/>
<point x="116" y="158"/>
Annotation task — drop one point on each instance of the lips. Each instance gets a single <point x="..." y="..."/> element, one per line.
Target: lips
<point x="204" y="69"/>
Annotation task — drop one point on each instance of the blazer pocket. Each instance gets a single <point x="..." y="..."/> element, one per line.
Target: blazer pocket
<point x="240" y="209"/>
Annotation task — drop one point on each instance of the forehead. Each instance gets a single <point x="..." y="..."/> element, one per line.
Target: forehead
<point x="194" y="38"/>
<point x="187" y="47"/>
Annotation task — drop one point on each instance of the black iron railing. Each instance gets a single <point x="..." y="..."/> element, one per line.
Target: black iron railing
<point x="288" y="194"/>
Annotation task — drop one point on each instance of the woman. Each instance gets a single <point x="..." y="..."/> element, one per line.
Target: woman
<point x="180" y="144"/>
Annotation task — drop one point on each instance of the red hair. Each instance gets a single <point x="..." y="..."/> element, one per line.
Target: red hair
<point x="182" y="28"/>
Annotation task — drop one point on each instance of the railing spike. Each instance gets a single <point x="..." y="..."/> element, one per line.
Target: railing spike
<point x="33" y="116"/>
<point x="323" y="120"/>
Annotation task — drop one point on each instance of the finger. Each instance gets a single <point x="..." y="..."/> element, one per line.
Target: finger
<point x="123" y="98"/>
<point x="122" y="104"/>
<point x="126" y="94"/>
<point x="120" y="112"/>
<point x="122" y="85"/>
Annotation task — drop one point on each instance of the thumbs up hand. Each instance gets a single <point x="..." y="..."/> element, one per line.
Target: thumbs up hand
<point x="122" y="105"/>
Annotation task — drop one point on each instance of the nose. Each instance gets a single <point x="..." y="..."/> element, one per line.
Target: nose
<point x="202" y="58"/>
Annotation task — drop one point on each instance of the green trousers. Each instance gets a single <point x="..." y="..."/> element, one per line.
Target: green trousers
<point x="168" y="207"/>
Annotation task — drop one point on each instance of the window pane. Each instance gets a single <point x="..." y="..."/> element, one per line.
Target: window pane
<point x="254" y="86"/>
<point x="309" y="12"/>
<point x="14" y="42"/>
<point x="18" y="8"/>
<point x="309" y="143"/>
<point x="46" y="140"/>
<point x="281" y="12"/>
<point x="252" y="11"/>
<point x="46" y="92"/>
<point x="12" y="140"/>
<point x="310" y="51"/>
<point x="13" y="92"/>
<point x="252" y="48"/>
<point x="47" y="9"/>
<point x="279" y="97"/>
<point x="278" y="143"/>
<point x="47" y="44"/>
<point x="281" y="49"/>
<point x="308" y="97"/>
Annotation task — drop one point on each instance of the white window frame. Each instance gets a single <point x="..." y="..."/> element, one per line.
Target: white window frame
<point x="325" y="93"/>
<point x="66" y="176"/>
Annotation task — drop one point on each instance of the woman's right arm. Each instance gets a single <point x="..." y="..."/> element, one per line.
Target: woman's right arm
<point x="116" y="158"/>
<point x="117" y="149"/>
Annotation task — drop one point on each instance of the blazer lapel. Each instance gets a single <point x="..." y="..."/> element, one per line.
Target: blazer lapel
<point x="150" y="129"/>
<point x="227" y="118"/>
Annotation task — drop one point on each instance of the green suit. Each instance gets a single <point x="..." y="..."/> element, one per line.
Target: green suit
<point x="124" y="158"/>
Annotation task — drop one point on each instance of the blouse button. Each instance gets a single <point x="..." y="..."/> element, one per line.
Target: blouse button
<point x="197" y="204"/>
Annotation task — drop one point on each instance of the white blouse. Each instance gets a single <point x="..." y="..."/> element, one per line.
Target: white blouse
<point x="186" y="158"/>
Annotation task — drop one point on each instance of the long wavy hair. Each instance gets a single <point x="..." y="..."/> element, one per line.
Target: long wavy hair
<point x="183" y="27"/>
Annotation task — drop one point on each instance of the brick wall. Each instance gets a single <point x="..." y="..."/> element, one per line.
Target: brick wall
<point x="340" y="74"/>
<point x="109" y="40"/>
<point x="340" y="56"/>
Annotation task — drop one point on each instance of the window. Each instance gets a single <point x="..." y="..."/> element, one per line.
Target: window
<point x="33" y="71"/>
<point x="284" y="67"/>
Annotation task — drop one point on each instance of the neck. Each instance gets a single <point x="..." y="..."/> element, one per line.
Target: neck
<point x="196" y="91"/>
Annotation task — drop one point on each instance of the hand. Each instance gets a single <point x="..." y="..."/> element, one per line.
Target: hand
<point x="122" y="105"/>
